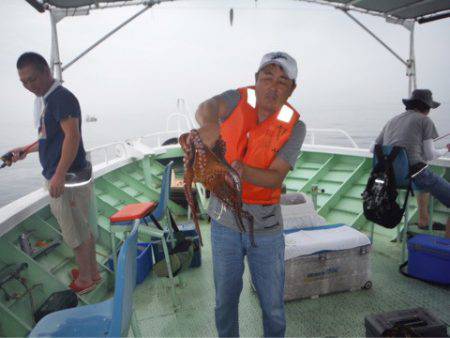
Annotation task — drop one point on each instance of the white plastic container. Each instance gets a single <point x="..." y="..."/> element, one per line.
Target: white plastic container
<point x="326" y="259"/>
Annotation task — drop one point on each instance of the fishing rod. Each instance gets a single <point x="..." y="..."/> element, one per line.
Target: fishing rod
<point x="441" y="137"/>
<point x="7" y="158"/>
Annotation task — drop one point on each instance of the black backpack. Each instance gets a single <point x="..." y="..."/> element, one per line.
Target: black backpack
<point x="55" y="302"/>
<point x="379" y="197"/>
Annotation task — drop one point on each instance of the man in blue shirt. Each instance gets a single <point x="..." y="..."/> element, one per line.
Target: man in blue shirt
<point x="61" y="150"/>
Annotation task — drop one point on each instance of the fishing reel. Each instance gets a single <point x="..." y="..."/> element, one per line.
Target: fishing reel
<point x="7" y="159"/>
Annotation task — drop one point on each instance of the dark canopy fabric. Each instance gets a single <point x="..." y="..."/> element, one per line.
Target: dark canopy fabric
<point x="400" y="9"/>
<point x="79" y="3"/>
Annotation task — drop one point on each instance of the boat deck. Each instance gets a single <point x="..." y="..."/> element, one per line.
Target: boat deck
<point x="342" y="177"/>
<point x="340" y="314"/>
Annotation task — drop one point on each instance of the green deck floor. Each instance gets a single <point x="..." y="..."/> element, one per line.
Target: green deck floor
<point x="339" y="314"/>
<point x="342" y="178"/>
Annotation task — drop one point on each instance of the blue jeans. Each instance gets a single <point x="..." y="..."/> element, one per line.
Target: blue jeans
<point x="266" y="262"/>
<point x="436" y="185"/>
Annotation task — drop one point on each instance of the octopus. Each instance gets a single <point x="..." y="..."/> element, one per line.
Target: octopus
<point x="209" y="167"/>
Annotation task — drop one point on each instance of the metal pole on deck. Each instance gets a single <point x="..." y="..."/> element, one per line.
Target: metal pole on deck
<point x="411" y="62"/>
<point x="147" y="7"/>
<point x="57" y="15"/>
<point x="55" y="61"/>
<point x="360" y="24"/>
<point x="411" y="66"/>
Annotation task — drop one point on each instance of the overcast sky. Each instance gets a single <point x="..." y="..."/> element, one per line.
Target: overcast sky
<point x="187" y="49"/>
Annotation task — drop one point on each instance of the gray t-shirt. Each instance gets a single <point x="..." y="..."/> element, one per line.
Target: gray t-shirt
<point x="267" y="218"/>
<point x="409" y="130"/>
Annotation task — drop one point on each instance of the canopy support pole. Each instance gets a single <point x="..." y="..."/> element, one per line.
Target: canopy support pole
<point x="55" y="61"/>
<point x="57" y="15"/>
<point x="359" y="23"/>
<point x="108" y="35"/>
<point x="411" y="67"/>
<point x="410" y="63"/>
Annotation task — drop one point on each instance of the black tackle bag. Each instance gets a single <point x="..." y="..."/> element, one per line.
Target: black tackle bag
<point x="56" y="301"/>
<point x="380" y="196"/>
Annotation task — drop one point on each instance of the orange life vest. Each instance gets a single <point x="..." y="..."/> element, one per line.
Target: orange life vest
<point x="256" y="144"/>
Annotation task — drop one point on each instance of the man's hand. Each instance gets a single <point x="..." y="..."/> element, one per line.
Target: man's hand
<point x="21" y="152"/>
<point x="208" y="115"/>
<point x="239" y="167"/>
<point x="209" y="133"/>
<point x="18" y="154"/>
<point x="56" y="187"/>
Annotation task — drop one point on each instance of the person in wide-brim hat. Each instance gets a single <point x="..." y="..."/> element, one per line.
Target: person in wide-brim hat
<point x="415" y="131"/>
<point x="421" y="95"/>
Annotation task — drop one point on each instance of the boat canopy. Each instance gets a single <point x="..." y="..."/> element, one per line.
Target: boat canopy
<point x="81" y="3"/>
<point x="419" y="10"/>
<point x="403" y="12"/>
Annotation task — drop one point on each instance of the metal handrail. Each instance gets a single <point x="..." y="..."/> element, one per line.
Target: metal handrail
<point x="312" y="132"/>
<point x="170" y="132"/>
<point x="182" y="117"/>
<point x="105" y="147"/>
<point x="159" y="136"/>
<point x="189" y="123"/>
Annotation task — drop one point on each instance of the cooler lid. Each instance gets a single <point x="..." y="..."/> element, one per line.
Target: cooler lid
<point x="433" y="244"/>
<point x="309" y="241"/>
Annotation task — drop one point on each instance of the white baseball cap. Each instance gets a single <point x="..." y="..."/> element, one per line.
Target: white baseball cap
<point x="282" y="59"/>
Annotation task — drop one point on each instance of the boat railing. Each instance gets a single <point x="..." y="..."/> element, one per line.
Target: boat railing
<point x="104" y="154"/>
<point x="311" y="133"/>
<point x="179" y="117"/>
<point x="160" y="138"/>
<point x="182" y="122"/>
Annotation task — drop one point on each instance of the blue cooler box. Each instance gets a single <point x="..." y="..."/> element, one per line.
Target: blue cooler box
<point x="158" y="252"/>
<point x="429" y="258"/>
<point x="144" y="263"/>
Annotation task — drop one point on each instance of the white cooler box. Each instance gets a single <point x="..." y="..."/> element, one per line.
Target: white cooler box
<point x="326" y="259"/>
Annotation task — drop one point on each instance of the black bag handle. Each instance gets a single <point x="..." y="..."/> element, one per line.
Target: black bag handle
<point x="172" y="222"/>
<point x="158" y="225"/>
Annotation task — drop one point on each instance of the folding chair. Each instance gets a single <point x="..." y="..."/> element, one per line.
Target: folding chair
<point x="111" y="318"/>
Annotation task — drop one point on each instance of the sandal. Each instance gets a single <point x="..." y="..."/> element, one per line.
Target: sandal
<point x="74" y="273"/>
<point x="81" y="290"/>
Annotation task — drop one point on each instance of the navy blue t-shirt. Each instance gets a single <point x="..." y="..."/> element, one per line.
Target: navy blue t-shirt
<point x="60" y="104"/>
